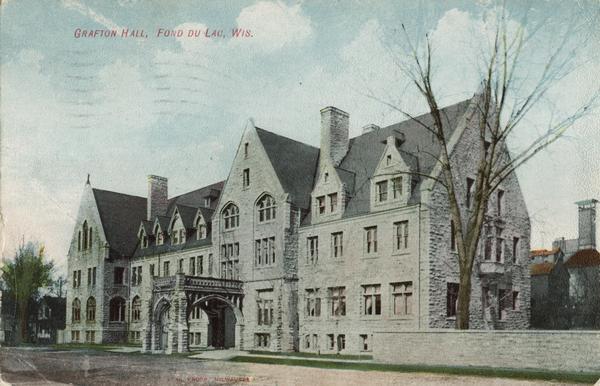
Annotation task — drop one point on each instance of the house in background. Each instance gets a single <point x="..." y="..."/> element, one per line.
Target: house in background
<point x="549" y="291"/>
<point x="584" y="288"/>
<point x="47" y="319"/>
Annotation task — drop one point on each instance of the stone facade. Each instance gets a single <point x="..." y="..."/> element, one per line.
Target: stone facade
<point x="326" y="246"/>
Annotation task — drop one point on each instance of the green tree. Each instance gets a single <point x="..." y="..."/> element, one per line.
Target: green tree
<point x="23" y="277"/>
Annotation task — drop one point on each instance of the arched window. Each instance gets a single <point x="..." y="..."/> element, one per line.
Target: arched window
<point x="231" y="216"/>
<point x="90" y="309"/>
<point x="159" y="235"/>
<point x="201" y="230"/>
<point x="117" y="310"/>
<point x="266" y="208"/>
<point x="76" y="310"/>
<point x="85" y="235"/>
<point x="136" y="309"/>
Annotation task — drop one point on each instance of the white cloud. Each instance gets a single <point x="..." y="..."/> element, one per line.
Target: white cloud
<point x="274" y="25"/>
<point x="78" y="6"/>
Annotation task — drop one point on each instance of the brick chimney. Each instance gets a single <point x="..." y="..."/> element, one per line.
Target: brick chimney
<point x="334" y="134"/>
<point x="587" y="224"/>
<point x="157" y="196"/>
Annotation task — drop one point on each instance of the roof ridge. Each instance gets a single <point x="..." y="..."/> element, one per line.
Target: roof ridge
<point x="119" y="193"/>
<point x="195" y="190"/>
<point x="287" y="138"/>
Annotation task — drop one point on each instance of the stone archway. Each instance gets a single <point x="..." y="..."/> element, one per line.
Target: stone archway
<point x="226" y="321"/>
<point x="161" y="328"/>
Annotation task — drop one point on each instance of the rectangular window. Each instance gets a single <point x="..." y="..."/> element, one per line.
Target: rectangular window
<point x="400" y="235"/>
<point x="139" y="275"/>
<point x="193" y="266"/>
<point x="175" y="236"/>
<point x="337" y="244"/>
<point x="371" y="299"/>
<point x="365" y="342"/>
<point x="333" y="201"/>
<point x="246" y="145"/>
<point x="451" y="299"/>
<point x="382" y="191"/>
<point x="74" y="279"/>
<point x="246" y="180"/>
<point x="337" y="296"/>
<point x="487" y="244"/>
<point x="313" y="303"/>
<point x="89" y="277"/>
<point x="78" y="278"/>
<point x="499" y="246"/>
<point x="516" y="301"/>
<point x="181" y="265"/>
<point x="499" y="202"/>
<point x="371" y="240"/>
<point x="262" y="340"/>
<point x="470" y="184"/>
<point x="166" y="268"/>
<point x="503" y="300"/>
<point x="341" y="342"/>
<point x="330" y="341"/>
<point x="118" y="275"/>
<point x="200" y="265"/>
<point x="93" y="276"/>
<point x="402" y="298"/>
<point x="134" y="276"/>
<point x="321" y="204"/>
<point x="452" y="236"/>
<point x="264" y="307"/>
<point x="312" y="255"/>
<point x="397" y="187"/>
<point x="151" y="270"/>
<point x="515" y="249"/>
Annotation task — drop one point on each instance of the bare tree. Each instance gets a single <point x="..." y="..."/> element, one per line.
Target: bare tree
<point x="501" y="107"/>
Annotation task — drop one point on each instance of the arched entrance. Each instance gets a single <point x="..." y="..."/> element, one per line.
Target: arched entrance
<point x="224" y="321"/>
<point x="161" y="326"/>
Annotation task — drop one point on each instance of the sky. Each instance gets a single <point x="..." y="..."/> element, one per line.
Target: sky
<point x="120" y="108"/>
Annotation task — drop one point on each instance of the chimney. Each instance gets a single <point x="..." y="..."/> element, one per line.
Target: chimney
<point x="369" y="128"/>
<point x="334" y="134"/>
<point x="587" y="224"/>
<point x="157" y="196"/>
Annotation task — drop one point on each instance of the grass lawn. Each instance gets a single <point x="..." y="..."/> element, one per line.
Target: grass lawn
<point x="312" y="355"/>
<point x="589" y="378"/>
<point x="90" y="346"/>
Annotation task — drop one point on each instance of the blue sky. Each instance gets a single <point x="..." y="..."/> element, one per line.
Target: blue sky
<point x="120" y="109"/>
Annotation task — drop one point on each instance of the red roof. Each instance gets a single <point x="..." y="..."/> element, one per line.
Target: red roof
<point x="542" y="268"/>
<point x="584" y="258"/>
<point x="543" y="252"/>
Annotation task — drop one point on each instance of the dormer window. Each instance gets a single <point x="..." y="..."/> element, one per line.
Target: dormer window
<point x="321" y="204"/>
<point x="397" y="187"/>
<point x="388" y="160"/>
<point x="266" y="209"/>
<point x="382" y="191"/>
<point x="159" y="236"/>
<point x="175" y="237"/>
<point x="231" y="216"/>
<point x="333" y="201"/>
<point x="143" y="239"/>
<point x="201" y="232"/>
<point x="207" y="202"/>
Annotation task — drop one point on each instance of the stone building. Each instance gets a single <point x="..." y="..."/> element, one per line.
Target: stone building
<point x="301" y="248"/>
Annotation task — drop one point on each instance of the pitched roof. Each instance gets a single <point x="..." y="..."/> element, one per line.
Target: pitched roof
<point x="148" y="227"/>
<point x="295" y="164"/>
<point x="195" y="198"/>
<point x="543" y="252"/>
<point x="187" y="214"/>
<point x="584" y="258"/>
<point x="542" y="268"/>
<point x="120" y="215"/>
<point x="366" y="150"/>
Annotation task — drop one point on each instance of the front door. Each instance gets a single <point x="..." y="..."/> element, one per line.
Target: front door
<point x="164" y="330"/>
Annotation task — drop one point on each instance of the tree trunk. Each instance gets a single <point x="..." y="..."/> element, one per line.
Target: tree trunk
<point x="23" y="321"/>
<point x="464" y="300"/>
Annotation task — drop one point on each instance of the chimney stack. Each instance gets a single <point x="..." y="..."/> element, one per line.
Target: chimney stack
<point x="334" y="134"/>
<point x="587" y="224"/>
<point x="369" y="128"/>
<point x="158" y="197"/>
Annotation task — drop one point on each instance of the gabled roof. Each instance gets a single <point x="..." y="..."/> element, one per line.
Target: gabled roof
<point x="147" y="226"/>
<point x="584" y="258"/>
<point x="120" y="215"/>
<point x="163" y="221"/>
<point x="416" y="150"/>
<point x="543" y="252"/>
<point x="187" y="214"/>
<point x="206" y="214"/>
<point x="295" y="164"/>
<point x="542" y="268"/>
<point x="195" y="198"/>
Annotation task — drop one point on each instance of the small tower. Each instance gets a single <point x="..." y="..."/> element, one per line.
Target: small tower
<point x="587" y="224"/>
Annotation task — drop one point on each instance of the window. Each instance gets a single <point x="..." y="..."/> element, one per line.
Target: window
<point x="196" y="313"/>
<point x="231" y="216"/>
<point x="246" y="178"/>
<point x="371" y="299"/>
<point x="486" y="147"/>
<point x="470" y="183"/>
<point x="197" y="338"/>
<point x="452" y="236"/>
<point x="397" y="187"/>
<point x="337" y="244"/>
<point x="402" y="298"/>
<point x="264" y="251"/>
<point x="75" y="336"/>
<point x="365" y="342"/>
<point x="262" y="340"/>
<point x="503" y="300"/>
<point x="307" y="342"/>
<point x="264" y="307"/>
<point x="330" y="341"/>
<point x="200" y="265"/>
<point x="313" y="303"/>
<point x="89" y="277"/>
<point x="382" y="191"/>
<point x="499" y="245"/>
<point x="499" y="202"/>
<point x="160" y="239"/>
<point x="451" y="299"/>
<point x="136" y="309"/>
<point x="337" y="295"/>
<point x="516" y="301"/>
<point x="312" y="255"/>
<point x="79" y="241"/>
<point x="85" y="235"/>
<point x="151" y="270"/>
<point x="77" y="279"/>
<point x="515" y="249"/>
<point x="321" y="204"/>
<point x="230" y="258"/>
<point x="182" y="236"/>
<point x="136" y="276"/>
<point x="401" y="235"/>
<point x="388" y="160"/>
<point x="180" y="268"/>
<point x="76" y="310"/>
<point x="207" y="202"/>
<point x="192" y="266"/>
<point x="333" y="201"/>
<point x="341" y="342"/>
<point x="246" y="146"/>
<point x="487" y="246"/>
<point x="210" y="264"/>
<point x="326" y="178"/>
<point x="266" y="209"/>
<point x="90" y="336"/>
<point x="144" y="240"/>
<point x="166" y="268"/>
<point x="371" y="240"/>
<point x="119" y="275"/>
<point x="117" y="310"/>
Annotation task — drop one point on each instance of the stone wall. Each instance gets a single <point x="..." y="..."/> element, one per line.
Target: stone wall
<point x="552" y="350"/>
